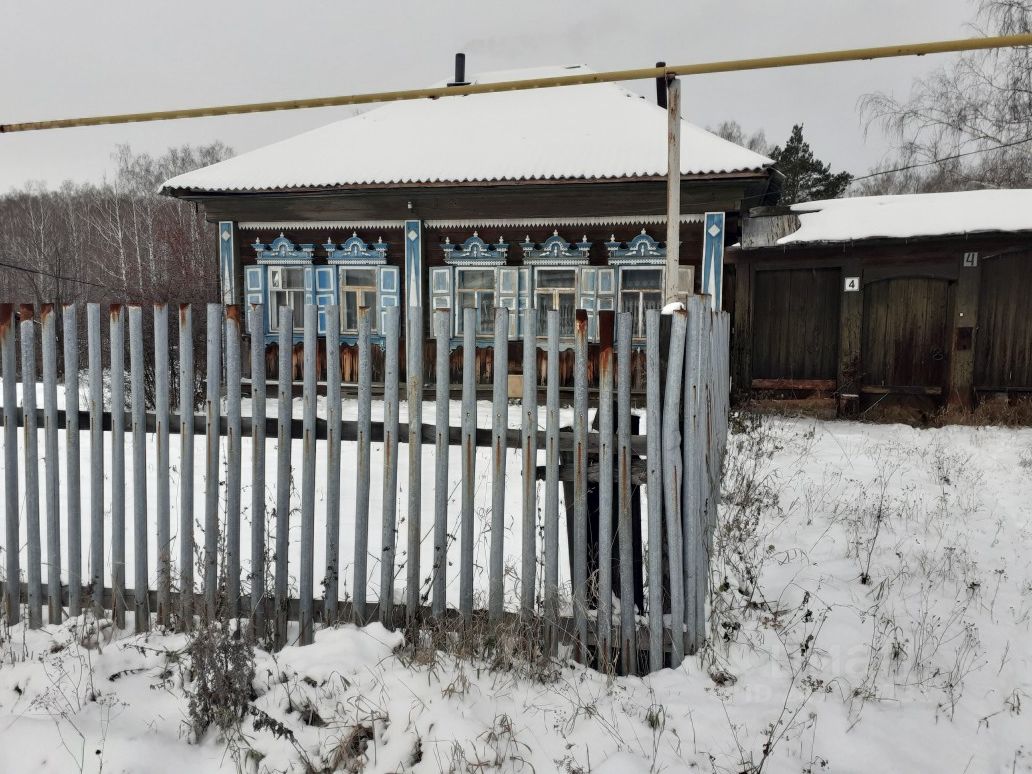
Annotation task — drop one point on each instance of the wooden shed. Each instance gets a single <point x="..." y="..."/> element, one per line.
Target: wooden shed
<point x="868" y="298"/>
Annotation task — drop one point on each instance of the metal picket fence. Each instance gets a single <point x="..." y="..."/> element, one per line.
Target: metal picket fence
<point x="686" y="405"/>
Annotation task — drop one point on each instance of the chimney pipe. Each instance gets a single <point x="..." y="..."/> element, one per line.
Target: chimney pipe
<point x="661" y="85"/>
<point x="460" y="71"/>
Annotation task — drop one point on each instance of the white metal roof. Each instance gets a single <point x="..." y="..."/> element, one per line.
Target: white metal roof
<point x="573" y="132"/>
<point x="912" y="215"/>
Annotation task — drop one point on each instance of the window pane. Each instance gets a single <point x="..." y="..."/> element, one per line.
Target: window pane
<point x="567" y="313"/>
<point x="557" y="279"/>
<point x="486" y="310"/>
<point x="642" y="278"/>
<point x="293" y="278"/>
<point x="359" y="277"/>
<point x="349" y="310"/>
<point x="477" y="279"/>
<point x="631" y="302"/>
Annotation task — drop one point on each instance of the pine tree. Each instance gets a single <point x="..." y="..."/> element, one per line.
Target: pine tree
<point x="807" y="178"/>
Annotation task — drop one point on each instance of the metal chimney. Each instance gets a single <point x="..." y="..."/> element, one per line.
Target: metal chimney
<point x="460" y="71"/>
<point x="661" y="86"/>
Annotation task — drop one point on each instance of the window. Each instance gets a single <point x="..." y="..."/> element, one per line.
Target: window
<point x="475" y="289"/>
<point x="357" y="288"/>
<point x="557" y="289"/>
<point x="287" y="288"/>
<point x="640" y="290"/>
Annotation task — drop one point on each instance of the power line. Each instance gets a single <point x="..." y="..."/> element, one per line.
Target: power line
<point x="42" y="273"/>
<point x="943" y="159"/>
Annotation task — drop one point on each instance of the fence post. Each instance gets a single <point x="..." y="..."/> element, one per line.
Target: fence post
<point x="580" y="484"/>
<point x="552" y="485"/>
<point x="186" y="466"/>
<point x="672" y="483"/>
<point x="654" y="489"/>
<point x="529" y="458"/>
<point x="606" y="322"/>
<point x="31" y="460"/>
<point x="693" y="531"/>
<point x="414" y="397"/>
<point x="308" y="400"/>
<point x="442" y="330"/>
<point x="162" y="498"/>
<point x="140" y="558"/>
<point x="628" y="634"/>
<point x="469" y="462"/>
<point x="332" y="579"/>
<point x="213" y="376"/>
<point x="96" y="458"/>
<point x="12" y="584"/>
<point x="256" y="325"/>
<point x="233" y="460"/>
<point x="499" y="424"/>
<point x="116" y="359"/>
<point x="51" y="456"/>
<point x="388" y="543"/>
<point x="74" y="495"/>
<point x="284" y="412"/>
<point x="365" y="390"/>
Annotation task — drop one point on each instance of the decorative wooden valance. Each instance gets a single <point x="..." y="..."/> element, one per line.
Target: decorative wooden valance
<point x="475" y="252"/>
<point x="356" y="250"/>
<point x="642" y="250"/>
<point x="556" y="251"/>
<point x="282" y="250"/>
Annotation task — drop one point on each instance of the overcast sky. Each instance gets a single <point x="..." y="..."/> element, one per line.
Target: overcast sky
<point x="66" y="58"/>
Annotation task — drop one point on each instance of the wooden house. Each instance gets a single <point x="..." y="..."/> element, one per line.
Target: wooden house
<point x="547" y="198"/>
<point x="867" y="298"/>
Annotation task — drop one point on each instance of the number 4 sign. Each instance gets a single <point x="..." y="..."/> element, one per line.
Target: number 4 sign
<point x="852" y="284"/>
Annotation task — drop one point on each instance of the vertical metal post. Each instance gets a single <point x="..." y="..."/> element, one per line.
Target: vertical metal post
<point x="140" y="510"/>
<point x="469" y="462"/>
<point x="552" y="484"/>
<point x="186" y="466"/>
<point x="442" y="330"/>
<point x="529" y="457"/>
<point x="389" y="538"/>
<point x="365" y="390"/>
<point x="606" y="436"/>
<point x="213" y="378"/>
<point x="52" y="486"/>
<point x="332" y="580"/>
<point x="96" y="379"/>
<point x="12" y="584"/>
<point x="73" y="480"/>
<point x="234" y="460"/>
<point x="672" y="480"/>
<point x="580" y="484"/>
<point x="654" y="488"/>
<point x="284" y="413"/>
<point x="162" y="503"/>
<point x="256" y="324"/>
<point x="499" y="424"/>
<point x="31" y="460"/>
<point x="628" y="635"/>
<point x="116" y="355"/>
<point x="414" y="396"/>
<point x="673" y="238"/>
<point x="309" y="396"/>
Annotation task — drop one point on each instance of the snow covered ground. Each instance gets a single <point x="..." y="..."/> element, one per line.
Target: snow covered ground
<point x="872" y="608"/>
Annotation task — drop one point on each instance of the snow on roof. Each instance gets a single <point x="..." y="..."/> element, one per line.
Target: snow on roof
<point x="578" y="132"/>
<point x="912" y="215"/>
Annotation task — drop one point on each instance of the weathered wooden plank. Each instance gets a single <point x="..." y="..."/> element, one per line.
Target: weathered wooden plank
<point x="256" y="323"/>
<point x="414" y="399"/>
<point x="213" y="377"/>
<point x="30" y="460"/>
<point x="51" y="456"/>
<point x="73" y="480"/>
<point x="284" y="411"/>
<point x="389" y="533"/>
<point x="306" y="576"/>
<point x="499" y="421"/>
<point x="331" y="581"/>
<point x="163" y="504"/>
<point x="234" y="460"/>
<point x="186" y="465"/>
<point x="469" y="426"/>
<point x="442" y="332"/>
<point x="362" y="438"/>
<point x="141" y="564"/>
<point x="116" y="340"/>
<point x="529" y="424"/>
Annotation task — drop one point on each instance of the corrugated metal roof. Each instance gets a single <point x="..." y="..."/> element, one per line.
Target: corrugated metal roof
<point x="595" y="131"/>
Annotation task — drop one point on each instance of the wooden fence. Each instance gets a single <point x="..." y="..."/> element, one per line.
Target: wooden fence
<point x="686" y="410"/>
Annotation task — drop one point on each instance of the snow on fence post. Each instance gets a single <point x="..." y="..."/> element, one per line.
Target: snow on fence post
<point x="672" y="480"/>
<point x="186" y="466"/>
<point x="116" y="360"/>
<point x="74" y="505"/>
<point x="139" y="416"/>
<point x="309" y="396"/>
<point x="331" y="581"/>
<point x="580" y="485"/>
<point x="499" y="425"/>
<point x="469" y="429"/>
<point x="96" y="379"/>
<point x="388" y="544"/>
<point x="12" y="585"/>
<point x="31" y="460"/>
<point x="256" y="325"/>
<point x="442" y="331"/>
<point x="628" y="635"/>
<point x="552" y="485"/>
<point x="606" y="321"/>
<point x="414" y="399"/>
<point x="213" y="374"/>
<point x="162" y="498"/>
<point x="529" y="459"/>
<point x="233" y="460"/>
<point x="365" y="398"/>
<point x="284" y="412"/>
<point x="653" y="488"/>
<point x="52" y="486"/>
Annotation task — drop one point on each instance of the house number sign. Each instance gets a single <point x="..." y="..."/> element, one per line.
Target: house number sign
<point x="852" y="284"/>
